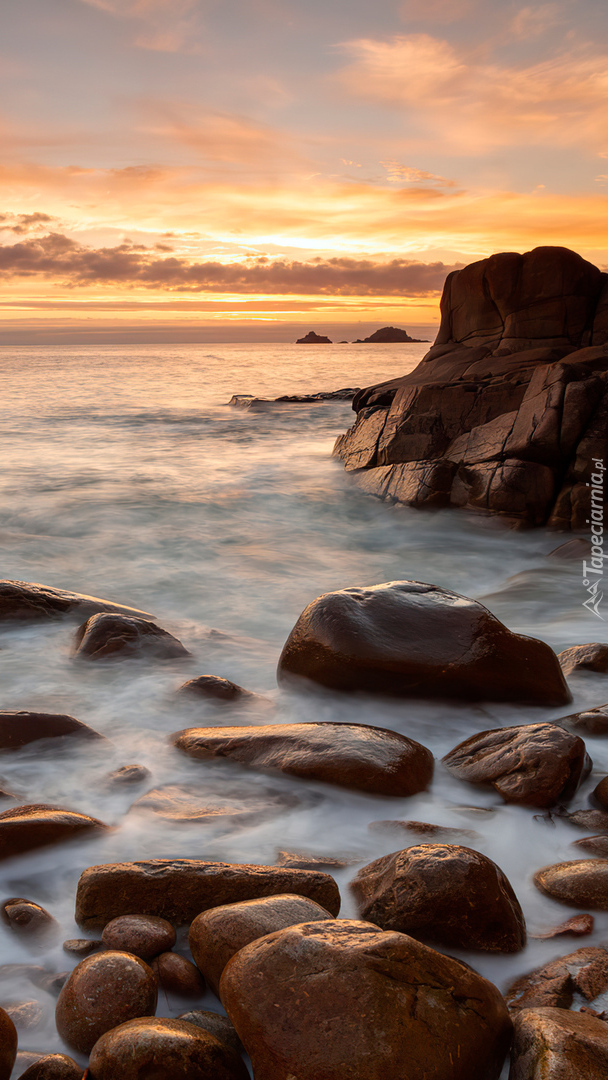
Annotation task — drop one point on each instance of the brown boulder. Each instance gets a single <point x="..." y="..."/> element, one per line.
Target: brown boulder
<point x="446" y="893"/>
<point x="597" y="845"/>
<point x="554" y="984"/>
<point x="8" y="1045"/>
<point x="179" y="889"/>
<point x="534" y="764"/>
<point x="26" y="600"/>
<point x="368" y="1004"/>
<point x="214" y="688"/>
<point x="143" y="935"/>
<point x="592" y="721"/>
<point x="216" y="935"/>
<point x="178" y="975"/>
<point x="17" y="729"/>
<point x="27" y="917"/>
<point x="24" y="828"/>
<point x="551" y="1044"/>
<point x="120" y="637"/>
<point x="581" y="883"/>
<point x="158" y="1047"/>
<point x="411" y="639"/>
<point x="217" y="1025"/>
<point x="591" y="657"/>
<point x="357" y="756"/>
<point x="600" y="792"/>
<point x="103" y="991"/>
<point x="53" y="1067"/>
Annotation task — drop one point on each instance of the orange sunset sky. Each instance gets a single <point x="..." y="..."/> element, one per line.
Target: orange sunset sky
<point x="234" y="170"/>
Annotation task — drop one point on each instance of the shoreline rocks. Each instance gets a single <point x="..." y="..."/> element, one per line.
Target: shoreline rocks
<point x="31" y="602"/>
<point x="24" y="828"/>
<point x="581" y="883"/>
<point x="103" y="991"/>
<point x="160" y="1047"/>
<point x="18" y="729"/>
<point x="117" y="637"/>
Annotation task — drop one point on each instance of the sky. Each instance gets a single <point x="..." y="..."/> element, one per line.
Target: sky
<point x="234" y="170"/>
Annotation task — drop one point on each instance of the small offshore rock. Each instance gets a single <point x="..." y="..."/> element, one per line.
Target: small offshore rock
<point x="24" y="828"/>
<point x="421" y="828"/>
<point x="577" y="926"/>
<point x="17" y="729"/>
<point x="214" y="688"/>
<point x="26" y="1015"/>
<point x="32" y="602"/>
<point x="581" y="883"/>
<point x="159" y="1047"/>
<point x="102" y="992"/>
<point x="411" y="639"/>
<point x="128" y="774"/>
<point x="592" y="721"/>
<point x="356" y="756"/>
<point x="178" y="975"/>
<point x="216" y="935"/>
<point x="312" y="338"/>
<point x="446" y="893"/>
<point x="8" y="1045"/>
<point x="533" y="764"/>
<point x="53" y="1067"/>
<point x="145" y="936"/>
<point x="179" y="889"/>
<point x="554" y="984"/>
<point x="217" y="1025"/>
<point x="27" y="917"/>
<point x="119" y="637"/>
<point x="551" y="1044"/>
<point x="369" y="1004"/>
<point x="82" y="947"/>
<point x="591" y="657"/>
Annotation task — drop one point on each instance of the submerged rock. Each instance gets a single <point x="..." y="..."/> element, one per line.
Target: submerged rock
<point x="551" y="1044"/>
<point x="119" y="637"/>
<point x="449" y="894"/>
<point x="368" y="1004"/>
<point x="411" y="639"/>
<point x="217" y="804"/>
<point x="533" y="764"/>
<point x="355" y="756"/>
<point x="214" y="688"/>
<point x="24" y="828"/>
<point x="159" y="1047"/>
<point x="128" y="774"/>
<point x="31" y="602"/>
<point x="508" y="410"/>
<point x="216" y="935"/>
<point x="103" y="991"/>
<point x="17" y="729"/>
<point x="577" y="926"/>
<point x="179" y="889"/>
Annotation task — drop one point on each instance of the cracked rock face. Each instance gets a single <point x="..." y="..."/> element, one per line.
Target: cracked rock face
<point x="554" y="985"/>
<point x="411" y="639"/>
<point x="449" y="894"/>
<point x="551" y="1044"/>
<point x="368" y="1004"/>
<point x="533" y="764"/>
<point x="506" y="411"/>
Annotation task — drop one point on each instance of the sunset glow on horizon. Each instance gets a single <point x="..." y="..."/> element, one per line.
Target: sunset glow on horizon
<point x="189" y="170"/>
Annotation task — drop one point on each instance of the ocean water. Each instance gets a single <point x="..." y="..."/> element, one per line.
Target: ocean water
<point x="126" y="474"/>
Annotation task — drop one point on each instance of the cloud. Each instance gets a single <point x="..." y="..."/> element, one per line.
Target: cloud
<point x="25" y="223"/>
<point x="440" y="11"/>
<point x="533" y="21"/>
<point x="406" y="174"/>
<point x="472" y="104"/>
<point x="166" y="25"/>
<point x="219" y="137"/>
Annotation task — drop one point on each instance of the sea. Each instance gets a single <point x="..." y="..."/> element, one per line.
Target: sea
<point x="127" y="474"/>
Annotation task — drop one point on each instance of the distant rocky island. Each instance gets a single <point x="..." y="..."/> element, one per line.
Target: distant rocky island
<point x="383" y="336"/>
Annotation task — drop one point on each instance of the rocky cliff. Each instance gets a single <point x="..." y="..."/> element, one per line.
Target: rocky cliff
<point x="509" y="409"/>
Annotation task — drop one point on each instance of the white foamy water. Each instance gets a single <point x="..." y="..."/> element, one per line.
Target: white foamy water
<point x="125" y="475"/>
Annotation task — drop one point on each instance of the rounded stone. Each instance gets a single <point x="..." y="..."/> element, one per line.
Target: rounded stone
<point x="581" y="883"/>
<point x="82" y="947"/>
<point x="117" y="637"/>
<point x="28" y="918"/>
<point x="600" y="792"/>
<point x="103" y="991"/>
<point x="8" y="1045"/>
<point x="214" y="688"/>
<point x="143" y="935"/>
<point x="449" y="894"/>
<point x="178" y="975"/>
<point x="553" y="1044"/>
<point x="158" y="1047"/>
<point x="128" y="774"/>
<point x="53" y="1067"/>
<point x="216" y="1024"/>
<point x="24" y="828"/>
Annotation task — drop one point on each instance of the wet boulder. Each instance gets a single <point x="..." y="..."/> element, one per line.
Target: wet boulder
<point x="179" y="889"/>
<point x="554" y="985"/>
<point x="581" y="883"/>
<point x="551" y="1044"/>
<point x="533" y="764"/>
<point x="24" y="828"/>
<point x="103" y="991"/>
<point x="216" y="1024"/>
<point x="410" y="639"/>
<point x="176" y="974"/>
<point x="17" y="729"/>
<point x="156" y="1046"/>
<point x="143" y="935"/>
<point x="8" y="1045"/>
<point x="121" y="637"/>
<point x="591" y="657"/>
<point x="216" y="689"/>
<point x="597" y="845"/>
<point x="53" y="1067"/>
<point x="425" y="1015"/>
<point x="600" y="792"/>
<point x="356" y="756"/>
<point x="31" y="602"/>
<point x="216" y="935"/>
<point x="28" y="918"/>
<point x="591" y="721"/>
<point x="445" y="893"/>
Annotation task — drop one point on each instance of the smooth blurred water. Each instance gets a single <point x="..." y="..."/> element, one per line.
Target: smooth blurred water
<point x="126" y="475"/>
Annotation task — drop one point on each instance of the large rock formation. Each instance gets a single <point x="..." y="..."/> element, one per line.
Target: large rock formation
<point x="508" y="411"/>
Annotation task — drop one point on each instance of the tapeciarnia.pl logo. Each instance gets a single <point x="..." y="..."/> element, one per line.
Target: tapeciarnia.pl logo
<point x="593" y="571"/>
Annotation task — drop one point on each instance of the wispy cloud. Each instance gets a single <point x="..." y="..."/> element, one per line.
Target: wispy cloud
<point x="164" y="25"/>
